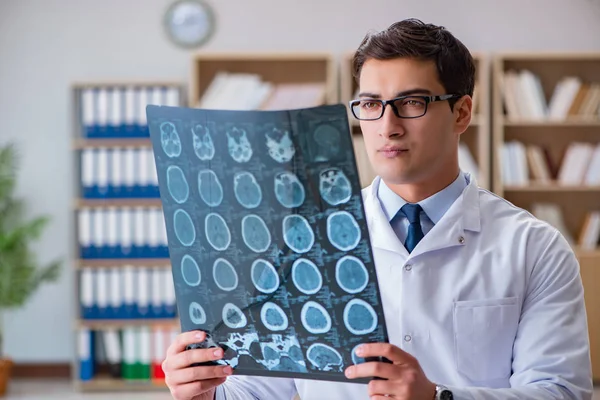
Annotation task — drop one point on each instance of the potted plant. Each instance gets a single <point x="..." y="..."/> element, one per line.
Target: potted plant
<point x="20" y="275"/>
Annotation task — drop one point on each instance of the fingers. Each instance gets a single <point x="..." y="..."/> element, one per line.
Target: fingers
<point x="190" y="357"/>
<point x="382" y="389"/>
<point x="191" y="390"/>
<point x="192" y="374"/>
<point x="387" y="350"/>
<point x="185" y="339"/>
<point x="373" y="369"/>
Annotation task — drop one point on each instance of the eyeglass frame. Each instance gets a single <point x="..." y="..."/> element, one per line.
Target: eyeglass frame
<point x="427" y="99"/>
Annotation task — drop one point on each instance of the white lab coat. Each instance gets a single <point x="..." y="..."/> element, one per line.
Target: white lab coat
<point x="490" y="302"/>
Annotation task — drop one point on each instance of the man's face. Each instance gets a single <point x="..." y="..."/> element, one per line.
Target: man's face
<point x="403" y="150"/>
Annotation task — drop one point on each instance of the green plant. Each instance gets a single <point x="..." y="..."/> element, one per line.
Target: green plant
<point x="20" y="275"/>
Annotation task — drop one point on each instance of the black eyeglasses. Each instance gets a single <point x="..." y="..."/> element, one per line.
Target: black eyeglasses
<point x="404" y="106"/>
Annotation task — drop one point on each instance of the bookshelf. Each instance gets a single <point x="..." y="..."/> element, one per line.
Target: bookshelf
<point x="546" y="141"/>
<point x="257" y="77"/>
<point x="476" y="139"/>
<point x="125" y="312"/>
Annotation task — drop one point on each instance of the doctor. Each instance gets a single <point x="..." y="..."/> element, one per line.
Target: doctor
<point x="482" y="300"/>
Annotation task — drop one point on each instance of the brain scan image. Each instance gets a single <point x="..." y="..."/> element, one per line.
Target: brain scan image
<point x="238" y="145"/>
<point x="315" y="318"/>
<point x="297" y="233"/>
<point x="288" y="190"/>
<point x="233" y="317"/>
<point x="264" y="276"/>
<point x="279" y="145"/>
<point x="197" y="314"/>
<point x="273" y="317"/>
<point x="334" y="186"/>
<point x="225" y="275"/>
<point x="190" y="271"/>
<point x="247" y="190"/>
<point x="255" y="233"/>
<point x="343" y="230"/>
<point x="204" y="147"/>
<point x="177" y="184"/>
<point x="216" y="231"/>
<point x="324" y="357"/>
<point x="184" y="227"/>
<point x="170" y="141"/>
<point x="351" y="274"/>
<point x="210" y="188"/>
<point x="326" y="139"/>
<point x="360" y="317"/>
<point x="306" y="276"/>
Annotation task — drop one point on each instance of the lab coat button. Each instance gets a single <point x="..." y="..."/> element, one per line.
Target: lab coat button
<point x="407" y="338"/>
<point x="461" y="240"/>
<point x="408" y="267"/>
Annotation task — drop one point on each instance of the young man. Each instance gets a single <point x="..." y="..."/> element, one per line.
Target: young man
<point x="481" y="300"/>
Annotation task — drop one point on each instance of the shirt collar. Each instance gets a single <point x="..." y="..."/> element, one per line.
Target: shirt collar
<point x="435" y="206"/>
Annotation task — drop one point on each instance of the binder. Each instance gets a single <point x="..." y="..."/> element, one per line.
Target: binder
<point x="143" y="293"/>
<point x="112" y="347"/>
<point x="101" y="283"/>
<point x="158" y="308"/>
<point x="88" y="112"/>
<point x="88" y="179"/>
<point x="86" y="354"/>
<point x="86" y="294"/>
<point x="159" y="341"/>
<point x="144" y="358"/>
<point x="126" y="230"/>
<point x="102" y="172"/>
<point x="115" y="297"/>
<point x="170" y="299"/>
<point x="129" y="353"/>
<point x="129" y="293"/>
<point x="112" y="233"/>
<point x="84" y="232"/>
<point x="116" y="189"/>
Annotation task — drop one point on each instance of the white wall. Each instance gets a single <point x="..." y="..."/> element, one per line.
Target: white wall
<point x="45" y="45"/>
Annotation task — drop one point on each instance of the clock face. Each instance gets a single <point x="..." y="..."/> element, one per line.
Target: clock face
<point x="189" y="23"/>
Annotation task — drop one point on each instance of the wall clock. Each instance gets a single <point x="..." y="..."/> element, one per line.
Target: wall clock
<point x="189" y="23"/>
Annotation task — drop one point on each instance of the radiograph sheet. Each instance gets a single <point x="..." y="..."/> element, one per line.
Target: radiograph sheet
<point x="267" y="237"/>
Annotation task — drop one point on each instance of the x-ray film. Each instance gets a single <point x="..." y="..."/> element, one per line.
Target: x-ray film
<point x="267" y="237"/>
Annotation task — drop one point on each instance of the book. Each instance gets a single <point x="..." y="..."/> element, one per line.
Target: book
<point x="269" y="247"/>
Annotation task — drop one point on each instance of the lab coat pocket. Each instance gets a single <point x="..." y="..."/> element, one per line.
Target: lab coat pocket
<point x="484" y="334"/>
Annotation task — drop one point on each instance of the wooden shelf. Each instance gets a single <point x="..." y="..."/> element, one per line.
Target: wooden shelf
<point x="79" y="144"/>
<point x="569" y="123"/>
<point x="536" y="187"/>
<point x="296" y="67"/>
<point x="554" y="137"/>
<point x="91" y="203"/>
<point x="581" y="253"/>
<point x="122" y="323"/>
<point x="120" y="385"/>
<point x="123" y="262"/>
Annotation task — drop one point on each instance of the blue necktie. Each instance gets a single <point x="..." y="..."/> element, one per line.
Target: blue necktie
<point x="415" y="233"/>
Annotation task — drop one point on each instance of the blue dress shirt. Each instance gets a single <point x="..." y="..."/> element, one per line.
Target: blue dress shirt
<point x="434" y="207"/>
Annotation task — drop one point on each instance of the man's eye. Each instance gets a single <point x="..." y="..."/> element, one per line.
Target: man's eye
<point x="369" y="104"/>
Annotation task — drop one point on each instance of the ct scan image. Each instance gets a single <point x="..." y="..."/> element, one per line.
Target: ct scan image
<point x="267" y="235"/>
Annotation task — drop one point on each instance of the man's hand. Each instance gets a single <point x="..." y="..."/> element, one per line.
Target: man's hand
<point x="403" y="379"/>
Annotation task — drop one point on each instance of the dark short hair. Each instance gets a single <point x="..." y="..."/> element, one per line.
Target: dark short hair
<point x="411" y="38"/>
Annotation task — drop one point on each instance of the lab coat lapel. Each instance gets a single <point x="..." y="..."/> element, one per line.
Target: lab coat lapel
<point x="463" y="215"/>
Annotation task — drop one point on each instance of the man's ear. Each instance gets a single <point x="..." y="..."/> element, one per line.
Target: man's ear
<point x="462" y="113"/>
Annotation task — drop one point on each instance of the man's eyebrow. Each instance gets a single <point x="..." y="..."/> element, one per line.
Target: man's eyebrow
<point x="403" y="93"/>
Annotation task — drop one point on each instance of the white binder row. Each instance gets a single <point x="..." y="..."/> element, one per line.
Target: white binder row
<point x="127" y="292"/>
<point x="120" y="106"/>
<point x="118" y="172"/>
<point x="115" y="232"/>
